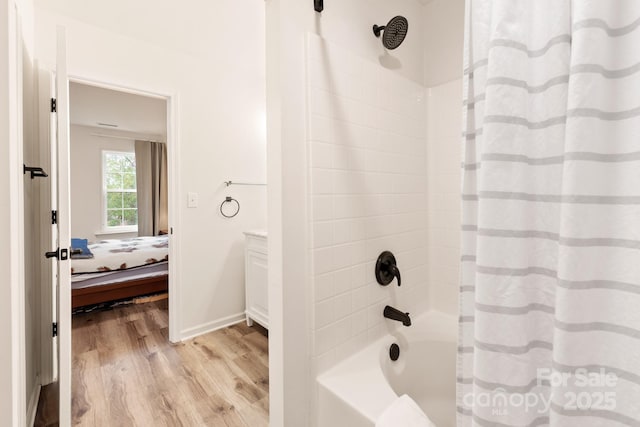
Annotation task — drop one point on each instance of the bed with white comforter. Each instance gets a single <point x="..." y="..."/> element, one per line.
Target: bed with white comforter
<point x="119" y="270"/>
<point x="117" y="255"/>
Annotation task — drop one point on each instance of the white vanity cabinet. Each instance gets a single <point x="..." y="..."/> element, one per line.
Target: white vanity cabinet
<point x="256" y="288"/>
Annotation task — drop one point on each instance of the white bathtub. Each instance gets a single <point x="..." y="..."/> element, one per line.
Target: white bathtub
<point x="356" y="391"/>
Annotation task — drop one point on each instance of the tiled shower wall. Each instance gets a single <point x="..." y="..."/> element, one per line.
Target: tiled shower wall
<point x="368" y="191"/>
<point x="444" y="146"/>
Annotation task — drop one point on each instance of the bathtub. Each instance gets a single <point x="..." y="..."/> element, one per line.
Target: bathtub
<point x="356" y="391"/>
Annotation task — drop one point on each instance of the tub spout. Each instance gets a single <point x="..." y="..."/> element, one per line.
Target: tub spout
<point x="395" y="314"/>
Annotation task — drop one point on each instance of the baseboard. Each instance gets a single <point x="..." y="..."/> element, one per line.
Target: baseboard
<point x="32" y="405"/>
<point x="211" y="326"/>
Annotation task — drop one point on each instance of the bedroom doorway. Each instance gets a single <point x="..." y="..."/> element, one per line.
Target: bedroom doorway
<point x="119" y="197"/>
<point x="120" y="228"/>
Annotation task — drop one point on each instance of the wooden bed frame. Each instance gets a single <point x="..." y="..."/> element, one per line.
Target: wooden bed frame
<point x="121" y="290"/>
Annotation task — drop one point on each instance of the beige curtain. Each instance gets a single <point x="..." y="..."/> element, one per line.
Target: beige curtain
<point x="151" y="177"/>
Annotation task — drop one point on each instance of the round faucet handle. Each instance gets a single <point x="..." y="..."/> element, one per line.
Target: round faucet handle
<point x="386" y="269"/>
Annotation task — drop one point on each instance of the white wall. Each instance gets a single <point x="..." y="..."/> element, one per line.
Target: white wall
<point x="443" y="37"/>
<point x="86" y="178"/>
<point x="367" y="141"/>
<point x="33" y="246"/>
<point x="15" y="40"/>
<point x="444" y="146"/>
<point x="349" y="24"/>
<point x="220" y="105"/>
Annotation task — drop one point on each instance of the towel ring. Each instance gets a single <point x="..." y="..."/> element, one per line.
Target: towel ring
<point x="229" y="199"/>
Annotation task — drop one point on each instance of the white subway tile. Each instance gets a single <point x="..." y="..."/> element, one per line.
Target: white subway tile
<point x="358" y="230"/>
<point x="341" y="157"/>
<point x="321" y="181"/>
<point x="322" y="207"/>
<point x="343" y="207"/>
<point x="374" y="176"/>
<point x="359" y="322"/>
<point x="451" y="275"/>
<point x="322" y="129"/>
<point x="321" y="155"/>
<point x="409" y="184"/>
<point x="361" y="137"/>
<point x="413" y="258"/>
<point x="342" y="230"/>
<point x="342" y="330"/>
<point x="445" y="297"/>
<point x="325" y="339"/>
<point x="322" y="235"/>
<point x="342" y="256"/>
<point x="379" y="183"/>
<point x="378" y="293"/>
<point x="376" y="246"/>
<point x="322" y="261"/>
<point x="316" y="48"/>
<point x="342" y="280"/>
<point x="342" y="305"/>
<point x="319" y="76"/>
<point x="359" y="252"/>
<point x="358" y="275"/>
<point x="415" y="276"/>
<point x="360" y="298"/>
<point x="379" y="226"/>
<point x="324" y="313"/>
<point x="357" y="159"/>
<point x="323" y="286"/>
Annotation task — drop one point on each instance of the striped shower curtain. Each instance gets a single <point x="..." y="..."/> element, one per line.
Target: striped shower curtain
<point x="550" y="271"/>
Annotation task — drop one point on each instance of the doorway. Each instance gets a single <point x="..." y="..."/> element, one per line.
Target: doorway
<point x="119" y="197"/>
<point x="120" y="238"/>
<point x="120" y="172"/>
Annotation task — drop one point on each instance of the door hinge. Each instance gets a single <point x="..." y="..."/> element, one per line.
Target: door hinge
<point x="54" y="329"/>
<point x="54" y="105"/>
<point x="54" y="217"/>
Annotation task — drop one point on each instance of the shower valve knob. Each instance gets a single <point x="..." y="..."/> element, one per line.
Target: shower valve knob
<point x="386" y="269"/>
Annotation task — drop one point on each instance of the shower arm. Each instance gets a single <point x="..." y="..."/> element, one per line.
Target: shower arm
<point x="377" y="29"/>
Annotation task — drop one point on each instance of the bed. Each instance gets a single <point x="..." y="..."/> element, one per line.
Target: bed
<point x="120" y="269"/>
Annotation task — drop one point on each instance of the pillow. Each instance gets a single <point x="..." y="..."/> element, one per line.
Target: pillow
<point x="80" y="249"/>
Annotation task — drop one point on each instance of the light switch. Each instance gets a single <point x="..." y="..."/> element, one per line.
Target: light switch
<point x="192" y="200"/>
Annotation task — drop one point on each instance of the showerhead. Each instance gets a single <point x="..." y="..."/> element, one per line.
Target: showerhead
<point x="394" y="32"/>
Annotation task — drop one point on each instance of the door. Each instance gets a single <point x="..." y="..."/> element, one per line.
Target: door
<point x="60" y="174"/>
<point x="49" y="203"/>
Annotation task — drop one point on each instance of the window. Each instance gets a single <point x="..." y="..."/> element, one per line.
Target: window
<point x="120" y="198"/>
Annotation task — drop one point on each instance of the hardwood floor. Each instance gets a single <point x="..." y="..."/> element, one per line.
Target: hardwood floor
<point x="126" y="373"/>
<point x="47" y="412"/>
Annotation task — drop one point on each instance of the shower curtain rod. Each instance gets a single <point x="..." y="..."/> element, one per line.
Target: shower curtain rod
<point x="125" y="137"/>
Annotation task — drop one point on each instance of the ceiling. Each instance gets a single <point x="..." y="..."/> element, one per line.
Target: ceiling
<point x="92" y="105"/>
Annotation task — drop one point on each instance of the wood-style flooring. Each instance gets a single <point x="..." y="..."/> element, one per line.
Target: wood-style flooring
<point x="126" y="373"/>
<point x="47" y="412"/>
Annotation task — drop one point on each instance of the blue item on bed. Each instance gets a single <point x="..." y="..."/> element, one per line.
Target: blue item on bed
<point x="80" y="249"/>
